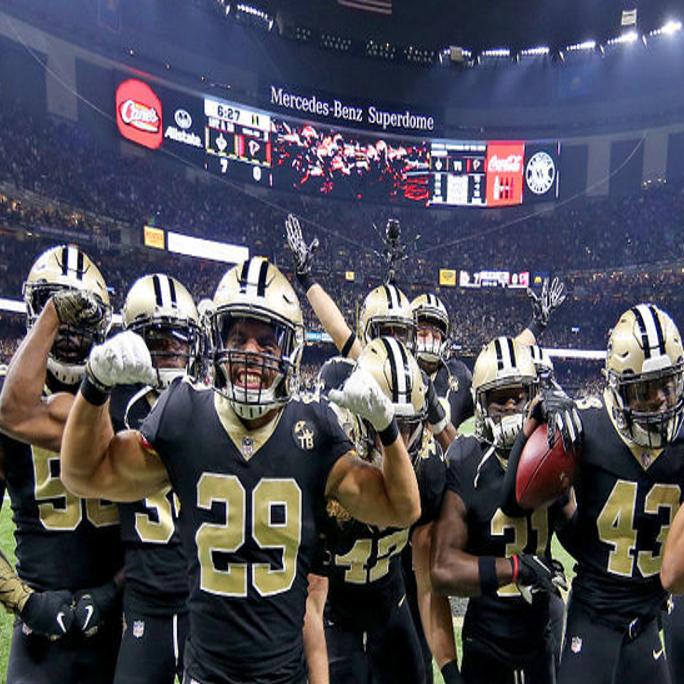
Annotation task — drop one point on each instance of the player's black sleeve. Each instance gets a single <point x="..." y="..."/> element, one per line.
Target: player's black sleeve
<point x="459" y="477"/>
<point x="152" y="427"/>
<point x="509" y="502"/>
<point x="431" y="483"/>
<point x="336" y="442"/>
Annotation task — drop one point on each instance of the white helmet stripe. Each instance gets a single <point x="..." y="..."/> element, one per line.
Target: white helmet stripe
<point x="649" y="329"/>
<point x="71" y="261"/>
<point x="165" y="291"/>
<point x="399" y="366"/>
<point x="392" y="297"/>
<point x="504" y="353"/>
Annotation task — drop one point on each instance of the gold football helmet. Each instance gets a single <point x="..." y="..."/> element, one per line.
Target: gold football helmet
<point x="504" y="372"/>
<point x="645" y="374"/>
<point x="429" y="312"/>
<point x="256" y="293"/>
<point x="161" y="310"/>
<point x="61" y="268"/>
<point x="386" y="311"/>
<point x="397" y="373"/>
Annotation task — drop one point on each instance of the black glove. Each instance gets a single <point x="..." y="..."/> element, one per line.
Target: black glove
<point x="559" y="412"/>
<point x="93" y="606"/>
<point x="49" y="613"/>
<point x="535" y="574"/>
<point x="435" y="411"/>
<point x="78" y="308"/>
<point x="302" y="253"/>
<point x="450" y="673"/>
<point x="544" y="304"/>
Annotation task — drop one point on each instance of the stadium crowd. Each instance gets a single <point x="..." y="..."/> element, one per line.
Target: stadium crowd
<point x="59" y="180"/>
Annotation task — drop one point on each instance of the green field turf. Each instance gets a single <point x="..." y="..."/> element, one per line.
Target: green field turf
<point x="7" y="545"/>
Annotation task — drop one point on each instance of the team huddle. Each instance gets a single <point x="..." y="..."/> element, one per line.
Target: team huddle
<point x="186" y="511"/>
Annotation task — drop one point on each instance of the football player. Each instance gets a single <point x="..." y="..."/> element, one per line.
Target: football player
<point x="369" y="628"/>
<point x="253" y="466"/>
<point x="451" y="377"/>
<point x="628" y="489"/>
<point x="385" y="311"/>
<point x="63" y="542"/>
<point x="502" y="562"/>
<point x="161" y="310"/>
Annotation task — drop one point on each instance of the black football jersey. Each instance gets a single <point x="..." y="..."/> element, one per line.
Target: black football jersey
<point x="453" y="382"/>
<point x="156" y="569"/>
<point x="625" y="504"/>
<point x="506" y="622"/>
<point x="364" y="564"/>
<point x="63" y="541"/>
<point x="251" y="507"/>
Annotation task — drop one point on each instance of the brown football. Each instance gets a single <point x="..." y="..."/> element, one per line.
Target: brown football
<point x="544" y="473"/>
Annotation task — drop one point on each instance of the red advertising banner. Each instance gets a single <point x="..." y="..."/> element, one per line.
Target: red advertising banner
<point x="139" y="113"/>
<point x="504" y="168"/>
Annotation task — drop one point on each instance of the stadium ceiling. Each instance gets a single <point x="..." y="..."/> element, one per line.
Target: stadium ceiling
<point x="473" y="24"/>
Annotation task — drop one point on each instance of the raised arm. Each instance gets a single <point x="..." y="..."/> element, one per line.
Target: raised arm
<point x="25" y="414"/>
<point x="95" y="462"/>
<point x="326" y="310"/>
<point x="552" y="295"/>
<point x="387" y="497"/>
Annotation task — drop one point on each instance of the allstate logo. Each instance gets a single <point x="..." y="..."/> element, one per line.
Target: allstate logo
<point x="540" y="173"/>
<point x="183" y="119"/>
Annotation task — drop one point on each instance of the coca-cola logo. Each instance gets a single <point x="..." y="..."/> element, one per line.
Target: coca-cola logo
<point x="139" y="113"/>
<point x="510" y="164"/>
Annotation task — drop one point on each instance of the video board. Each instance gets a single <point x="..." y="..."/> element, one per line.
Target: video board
<point x="282" y="152"/>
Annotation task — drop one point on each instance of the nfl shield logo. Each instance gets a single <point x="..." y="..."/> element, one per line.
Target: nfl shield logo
<point x="138" y="628"/>
<point x="576" y="644"/>
<point x="247" y="447"/>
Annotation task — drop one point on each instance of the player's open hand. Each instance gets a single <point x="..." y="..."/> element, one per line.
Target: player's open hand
<point x="302" y="253"/>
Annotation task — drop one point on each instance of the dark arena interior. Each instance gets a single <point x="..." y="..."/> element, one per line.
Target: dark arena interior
<point x="285" y="289"/>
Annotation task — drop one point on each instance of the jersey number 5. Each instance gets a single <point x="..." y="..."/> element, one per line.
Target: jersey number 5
<point x="276" y="524"/>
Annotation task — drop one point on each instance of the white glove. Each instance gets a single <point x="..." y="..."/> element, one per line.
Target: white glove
<point x="122" y="360"/>
<point x="362" y="395"/>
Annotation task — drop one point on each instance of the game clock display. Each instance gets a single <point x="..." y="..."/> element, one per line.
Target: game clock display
<point x="255" y="146"/>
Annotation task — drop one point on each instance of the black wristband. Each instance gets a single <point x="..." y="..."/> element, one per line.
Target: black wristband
<point x="95" y="394"/>
<point x="306" y="281"/>
<point x="536" y="328"/>
<point x="348" y="344"/>
<point x="489" y="583"/>
<point x="450" y="673"/>
<point x="390" y="433"/>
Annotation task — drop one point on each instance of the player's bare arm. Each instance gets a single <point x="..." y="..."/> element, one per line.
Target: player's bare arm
<point x="95" y="461"/>
<point x="672" y="569"/>
<point x="453" y="571"/>
<point x="25" y="414"/>
<point x="315" y="647"/>
<point x="435" y="611"/>
<point x="387" y="497"/>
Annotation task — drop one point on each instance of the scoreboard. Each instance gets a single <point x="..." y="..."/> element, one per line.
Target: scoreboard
<point x="252" y="145"/>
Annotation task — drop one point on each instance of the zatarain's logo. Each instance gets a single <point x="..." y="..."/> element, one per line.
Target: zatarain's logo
<point x="304" y="435"/>
<point x="183" y="119"/>
<point x="139" y="113"/>
<point x="540" y="173"/>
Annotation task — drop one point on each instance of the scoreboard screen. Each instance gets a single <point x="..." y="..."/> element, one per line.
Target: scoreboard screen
<point x="252" y="145"/>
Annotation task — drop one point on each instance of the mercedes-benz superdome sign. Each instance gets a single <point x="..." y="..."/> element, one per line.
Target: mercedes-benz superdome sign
<point x="337" y="148"/>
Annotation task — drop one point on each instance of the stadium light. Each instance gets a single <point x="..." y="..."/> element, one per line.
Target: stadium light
<point x="624" y="39"/>
<point x="535" y="51"/>
<point x="496" y="53"/>
<point x="585" y="46"/>
<point x="667" y="29"/>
